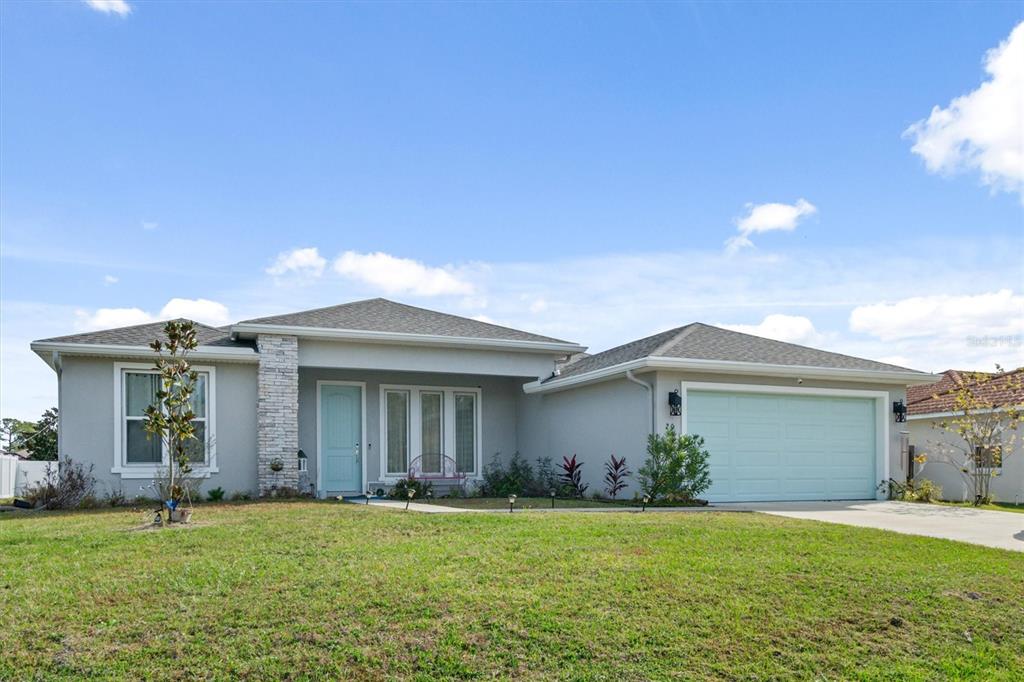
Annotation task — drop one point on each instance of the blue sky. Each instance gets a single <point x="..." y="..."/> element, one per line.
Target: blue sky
<point x="566" y="168"/>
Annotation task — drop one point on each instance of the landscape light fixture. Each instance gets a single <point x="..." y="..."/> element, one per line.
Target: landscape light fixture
<point x="408" y="498"/>
<point x="369" y="494"/>
<point x="511" y="503"/>
<point x="646" y="500"/>
<point x="552" y="499"/>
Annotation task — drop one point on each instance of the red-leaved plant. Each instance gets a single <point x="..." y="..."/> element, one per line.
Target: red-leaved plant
<point x="572" y="476"/>
<point x="615" y="474"/>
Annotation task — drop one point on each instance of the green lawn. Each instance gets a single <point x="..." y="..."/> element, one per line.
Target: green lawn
<point x="521" y="503"/>
<point x="316" y="590"/>
<point x="995" y="506"/>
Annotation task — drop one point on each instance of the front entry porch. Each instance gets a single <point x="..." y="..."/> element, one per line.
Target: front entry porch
<point x="366" y="429"/>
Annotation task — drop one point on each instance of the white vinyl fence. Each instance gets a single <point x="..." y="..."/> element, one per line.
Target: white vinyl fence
<point x="17" y="474"/>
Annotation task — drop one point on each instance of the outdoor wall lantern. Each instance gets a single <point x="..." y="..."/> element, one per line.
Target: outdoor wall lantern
<point x="675" y="403"/>
<point x="900" y="410"/>
<point x="302" y="461"/>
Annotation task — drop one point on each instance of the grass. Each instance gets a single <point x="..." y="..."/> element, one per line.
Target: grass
<point x="994" y="506"/>
<point x="315" y="590"/>
<point x="543" y="503"/>
<point x="521" y="503"/>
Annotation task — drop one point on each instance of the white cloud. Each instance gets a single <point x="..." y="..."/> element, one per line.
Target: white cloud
<point x="198" y="309"/>
<point x="789" y="328"/>
<point x="539" y="306"/>
<point x="149" y="225"/>
<point x="984" y="129"/>
<point x="768" y="218"/>
<point x="109" y="318"/>
<point x="119" y="7"/>
<point x="306" y="261"/>
<point x="999" y="313"/>
<point x="394" y="275"/>
<point x="110" y="279"/>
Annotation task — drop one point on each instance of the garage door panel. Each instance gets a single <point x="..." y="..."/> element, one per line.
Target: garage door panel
<point x="772" y="447"/>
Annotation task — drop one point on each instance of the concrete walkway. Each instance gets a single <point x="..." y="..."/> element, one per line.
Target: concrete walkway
<point x="1003" y="530"/>
<point x="415" y="506"/>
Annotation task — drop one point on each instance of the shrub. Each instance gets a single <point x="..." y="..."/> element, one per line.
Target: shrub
<point x="115" y="498"/>
<point x="676" y="468"/>
<point x="215" y="495"/>
<point x="240" y="496"/>
<point x="913" y="491"/>
<point x="402" y="488"/>
<point x="571" y="477"/>
<point x="615" y="474"/>
<point x="65" y="487"/>
<point x="515" y="478"/>
<point x="545" y="479"/>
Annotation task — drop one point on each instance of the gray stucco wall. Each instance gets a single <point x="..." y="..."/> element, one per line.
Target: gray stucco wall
<point x="929" y="441"/>
<point x="88" y="418"/>
<point x="498" y="402"/>
<point x="591" y="422"/>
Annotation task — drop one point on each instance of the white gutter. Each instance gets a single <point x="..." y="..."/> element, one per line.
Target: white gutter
<point x="943" y="415"/>
<point x="650" y="395"/>
<point x="51" y="351"/>
<point x="733" y="367"/>
<point x="407" y="339"/>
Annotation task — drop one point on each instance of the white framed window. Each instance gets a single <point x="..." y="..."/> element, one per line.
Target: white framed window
<point x="135" y="455"/>
<point x="430" y="423"/>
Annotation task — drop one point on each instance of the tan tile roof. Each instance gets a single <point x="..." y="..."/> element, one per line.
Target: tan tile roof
<point x="1000" y="390"/>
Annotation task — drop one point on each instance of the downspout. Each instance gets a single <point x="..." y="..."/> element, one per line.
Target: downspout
<point x="650" y="395"/>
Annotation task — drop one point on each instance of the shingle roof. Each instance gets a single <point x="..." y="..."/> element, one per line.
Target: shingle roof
<point x="999" y="390"/>
<point x="382" y="315"/>
<point x="698" y="341"/>
<point x="143" y="335"/>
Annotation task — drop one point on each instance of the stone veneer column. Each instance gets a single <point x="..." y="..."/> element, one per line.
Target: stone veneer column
<point x="277" y="412"/>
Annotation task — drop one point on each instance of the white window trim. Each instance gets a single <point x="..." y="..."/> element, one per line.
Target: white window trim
<point x="125" y="470"/>
<point x="415" y="426"/>
<point x="882" y="411"/>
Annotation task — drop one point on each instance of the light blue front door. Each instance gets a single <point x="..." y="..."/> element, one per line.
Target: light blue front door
<point x="341" y="422"/>
<point x="786" y="447"/>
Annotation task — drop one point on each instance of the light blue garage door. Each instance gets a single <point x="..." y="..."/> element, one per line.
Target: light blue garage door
<point x="780" y="447"/>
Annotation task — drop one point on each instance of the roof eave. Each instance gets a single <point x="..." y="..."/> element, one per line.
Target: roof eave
<point x="248" y="330"/>
<point x="47" y="349"/>
<point x="901" y="378"/>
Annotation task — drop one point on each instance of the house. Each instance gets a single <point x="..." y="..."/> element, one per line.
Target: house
<point x="929" y="404"/>
<point x="341" y="399"/>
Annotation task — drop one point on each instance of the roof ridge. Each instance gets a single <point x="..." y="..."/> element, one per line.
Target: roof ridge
<point x="135" y="326"/>
<point x="800" y="345"/>
<point x="318" y="309"/>
<point x="682" y="333"/>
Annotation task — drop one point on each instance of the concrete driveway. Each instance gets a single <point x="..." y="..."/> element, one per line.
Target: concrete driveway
<point x="1004" y="530"/>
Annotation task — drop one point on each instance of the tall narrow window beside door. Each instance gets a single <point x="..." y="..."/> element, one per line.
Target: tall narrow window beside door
<point x="465" y="432"/>
<point x="397" y="431"/>
<point x="431" y="430"/>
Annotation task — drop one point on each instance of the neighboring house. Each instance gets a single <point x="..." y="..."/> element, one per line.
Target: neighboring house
<point x="370" y="389"/>
<point x="928" y="405"/>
